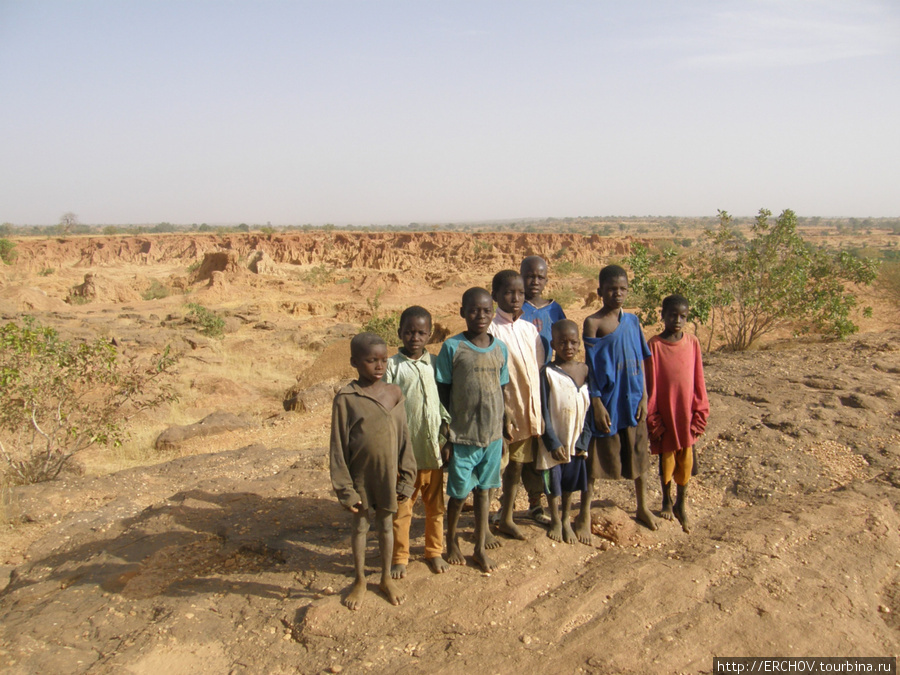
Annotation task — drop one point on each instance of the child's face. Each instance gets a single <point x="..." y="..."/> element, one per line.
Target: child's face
<point x="613" y="292"/>
<point x="414" y="334"/>
<point x="511" y="295"/>
<point x="478" y="313"/>
<point x="534" y="276"/>
<point x="675" y="318"/>
<point x="565" y="343"/>
<point x="371" y="365"/>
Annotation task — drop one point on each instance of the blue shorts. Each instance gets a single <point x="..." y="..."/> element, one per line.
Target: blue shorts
<point x="474" y="467"/>
<point x="570" y="477"/>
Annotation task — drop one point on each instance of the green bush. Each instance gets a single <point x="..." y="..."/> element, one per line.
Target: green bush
<point x="8" y="251"/>
<point x="58" y="397"/>
<point x="385" y="327"/>
<point x="157" y="291"/>
<point x="317" y="276"/>
<point x="754" y="285"/>
<point x="46" y="272"/>
<point x="565" y="296"/>
<point x="211" y="324"/>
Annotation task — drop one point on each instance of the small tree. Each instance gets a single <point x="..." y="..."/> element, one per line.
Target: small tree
<point x="67" y="222"/>
<point x="59" y="397"/>
<point x="754" y="285"/>
<point x="7" y="251"/>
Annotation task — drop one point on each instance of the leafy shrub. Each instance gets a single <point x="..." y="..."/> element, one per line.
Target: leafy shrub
<point x="59" y="397"/>
<point x="157" y="291"/>
<point x="385" y="327"/>
<point x="46" y="272"/>
<point x="318" y="276"/>
<point x="211" y="324"/>
<point x="8" y="251"/>
<point x="754" y="285"/>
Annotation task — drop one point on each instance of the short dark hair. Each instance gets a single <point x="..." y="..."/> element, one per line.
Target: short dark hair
<point x="414" y="312"/>
<point x="673" y="301"/>
<point x="362" y="344"/>
<point x="531" y="261"/>
<point x="562" y="324"/>
<point x="502" y="278"/>
<point x="611" y="272"/>
<point x="470" y="295"/>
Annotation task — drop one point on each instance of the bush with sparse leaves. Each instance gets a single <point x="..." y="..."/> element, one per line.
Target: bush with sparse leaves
<point x="59" y="397"/>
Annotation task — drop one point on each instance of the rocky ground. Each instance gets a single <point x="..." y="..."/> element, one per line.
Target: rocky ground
<point x="232" y="556"/>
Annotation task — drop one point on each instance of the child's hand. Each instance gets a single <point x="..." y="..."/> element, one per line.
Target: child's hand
<point x="356" y="508"/>
<point x="446" y="453"/>
<point x="641" y="410"/>
<point x="601" y="415"/>
<point x="560" y="454"/>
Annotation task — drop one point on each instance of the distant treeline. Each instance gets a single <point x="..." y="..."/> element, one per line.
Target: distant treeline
<point x="601" y="225"/>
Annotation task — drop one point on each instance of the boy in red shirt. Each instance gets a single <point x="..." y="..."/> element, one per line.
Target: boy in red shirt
<point x="678" y="408"/>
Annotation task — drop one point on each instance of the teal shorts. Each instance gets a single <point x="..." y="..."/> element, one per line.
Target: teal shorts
<point x="473" y="467"/>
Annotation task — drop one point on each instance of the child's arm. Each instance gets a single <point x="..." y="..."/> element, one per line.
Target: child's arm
<point x="700" y="403"/>
<point x="641" y="412"/>
<point x="551" y="440"/>
<point x="655" y="426"/>
<point x="341" y="480"/>
<point x="406" y="462"/>
<point x="601" y="415"/>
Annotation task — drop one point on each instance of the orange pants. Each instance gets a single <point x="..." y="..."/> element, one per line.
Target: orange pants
<point x="430" y="485"/>
<point x="677" y="465"/>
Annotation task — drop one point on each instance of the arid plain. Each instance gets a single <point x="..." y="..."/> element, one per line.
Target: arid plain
<point x="228" y="553"/>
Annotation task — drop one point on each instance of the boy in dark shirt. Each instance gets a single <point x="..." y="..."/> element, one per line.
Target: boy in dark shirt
<point x="371" y="459"/>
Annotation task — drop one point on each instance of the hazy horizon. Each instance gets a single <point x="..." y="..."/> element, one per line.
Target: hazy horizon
<point x="397" y="112"/>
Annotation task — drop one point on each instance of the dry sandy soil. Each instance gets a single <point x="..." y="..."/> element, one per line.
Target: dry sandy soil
<point x="229" y="553"/>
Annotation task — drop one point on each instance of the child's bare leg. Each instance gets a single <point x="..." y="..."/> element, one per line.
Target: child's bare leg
<point x="384" y="522"/>
<point x="482" y="507"/>
<point x="358" y="546"/>
<point x="583" y="521"/>
<point x="643" y="512"/>
<point x="454" y="508"/>
<point x="568" y="535"/>
<point x="666" y="512"/>
<point x="511" y="478"/>
<point x="555" y="531"/>
<point x="681" y="507"/>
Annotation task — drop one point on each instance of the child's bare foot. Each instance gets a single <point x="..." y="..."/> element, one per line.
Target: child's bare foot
<point x="511" y="530"/>
<point x="398" y="571"/>
<point x="647" y="518"/>
<point x="583" y="530"/>
<point x="454" y="555"/>
<point x="555" y="532"/>
<point x="437" y="564"/>
<point x="568" y="535"/>
<point x="484" y="562"/>
<point x="490" y="541"/>
<point x="666" y="512"/>
<point x="357" y="593"/>
<point x="391" y="591"/>
<point x="681" y="509"/>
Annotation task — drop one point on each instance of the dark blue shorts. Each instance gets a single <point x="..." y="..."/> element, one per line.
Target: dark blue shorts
<point x="571" y="477"/>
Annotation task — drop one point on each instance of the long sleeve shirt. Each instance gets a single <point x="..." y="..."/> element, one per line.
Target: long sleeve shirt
<point x="371" y="457"/>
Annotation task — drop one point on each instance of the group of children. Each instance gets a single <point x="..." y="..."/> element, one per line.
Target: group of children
<point x="505" y="402"/>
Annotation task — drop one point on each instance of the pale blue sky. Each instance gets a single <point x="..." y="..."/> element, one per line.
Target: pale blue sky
<point x="392" y="112"/>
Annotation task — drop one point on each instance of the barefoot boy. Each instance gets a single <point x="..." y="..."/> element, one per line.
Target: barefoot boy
<point x="471" y="372"/>
<point x="678" y="407"/>
<point x="540" y="311"/>
<point x="565" y="403"/>
<point x="543" y="313"/>
<point x="522" y="396"/>
<point x="615" y="349"/>
<point x="372" y="462"/>
<point x="411" y="368"/>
